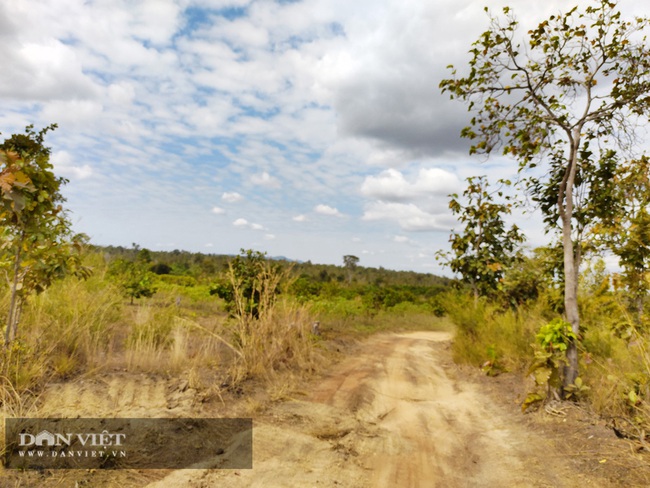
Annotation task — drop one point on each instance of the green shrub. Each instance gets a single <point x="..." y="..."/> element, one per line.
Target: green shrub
<point x="186" y="281"/>
<point x="484" y="331"/>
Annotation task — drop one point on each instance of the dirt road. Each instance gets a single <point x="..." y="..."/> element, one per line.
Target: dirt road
<point x="392" y="416"/>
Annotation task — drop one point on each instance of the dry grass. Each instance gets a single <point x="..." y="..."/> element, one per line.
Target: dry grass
<point x="279" y="340"/>
<point x="83" y="328"/>
<point x="149" y="339"/>
<point x="273" y="336"/>
<point x="63" y="331"/>
<point x="162" y="341"/>
<point x="619" y="378"/>
<point x="13" y="404"/>
<point x="614" y="353"/>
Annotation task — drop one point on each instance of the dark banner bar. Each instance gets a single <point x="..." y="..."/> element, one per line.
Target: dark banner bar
<point x="186" y="443"/>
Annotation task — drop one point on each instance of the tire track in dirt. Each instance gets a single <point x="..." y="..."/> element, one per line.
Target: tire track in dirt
<point x="128" y="395"/>
<point x="434" y="432"/>
<point x="390" y="417"/>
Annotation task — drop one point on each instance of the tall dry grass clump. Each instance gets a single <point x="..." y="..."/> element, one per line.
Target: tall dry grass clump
<point x="616" y="363"/>
<point x="162" y="341"/>
<point x="64" y="329"/>
<point x="270" y="332"/>
<point x="149" y="338"/>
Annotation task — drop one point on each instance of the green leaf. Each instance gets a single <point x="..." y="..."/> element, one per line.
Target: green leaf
<point x="531" y="399"/>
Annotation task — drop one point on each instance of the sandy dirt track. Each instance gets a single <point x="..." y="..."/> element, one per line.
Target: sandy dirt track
<point x="392" y="416"/>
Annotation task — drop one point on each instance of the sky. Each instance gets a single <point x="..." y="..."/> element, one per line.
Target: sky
<point x="310" y="129"/>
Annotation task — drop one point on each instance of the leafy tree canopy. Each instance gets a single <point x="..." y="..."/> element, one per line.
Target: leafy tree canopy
<point x="38" y="245"/>
<point x="567" y="96"/>
<point x="483" y="250"/>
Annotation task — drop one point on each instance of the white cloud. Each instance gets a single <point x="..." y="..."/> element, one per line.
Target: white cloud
<point x="245" y="224"/>
<point x="416" y="205"/>
<point x="327" y="210"/>
<point x="266" y="180"/>
<point x="73" y="114"/>
<point x="64" y="165"/>
<point x="391" y="185"/>
<point x="269" y="237"/>
<point x="300" y="218"/>
<point x="409" y="216"/>
<point x="78" y="172"/>
<point x="121" y="93"/>
<point x="44" y="70"/>
<point x="218" y="210"/>
<point x="231" y="197"/>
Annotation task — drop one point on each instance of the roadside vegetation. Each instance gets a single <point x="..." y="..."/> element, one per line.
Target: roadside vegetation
<point x="524" y="332"/>
<point x="217" y="320"/>
<point x="568" y="100"/>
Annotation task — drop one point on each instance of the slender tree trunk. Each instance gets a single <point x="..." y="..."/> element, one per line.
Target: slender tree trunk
<point x="639" y="308"/>
<point x="571" y="308"/>
<point x="571" y="261"/>
<point x="477" y="248"/>
<point x="10" y="331"/>
<point x="17" y="314"/>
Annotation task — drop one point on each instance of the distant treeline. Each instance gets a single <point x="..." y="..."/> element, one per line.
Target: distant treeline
<point x="205" y="266"/>
<point x="375" y="288"/>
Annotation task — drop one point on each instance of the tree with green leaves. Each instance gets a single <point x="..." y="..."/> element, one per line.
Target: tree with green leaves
<point x="38" y="245"/>
<point x="246" y="285"/>
<point x="627" y="233"/>
<point x="530" y="277"/>
<point x="563" y="99"/>
<point x="350" y="262"/>
<point x="485" y="248"/>
<point x="135" y="276"/>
